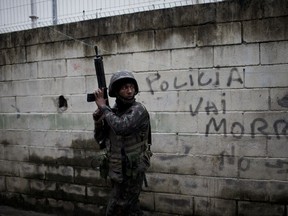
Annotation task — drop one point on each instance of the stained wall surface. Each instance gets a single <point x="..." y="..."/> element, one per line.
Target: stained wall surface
<point x="214" y="78"/>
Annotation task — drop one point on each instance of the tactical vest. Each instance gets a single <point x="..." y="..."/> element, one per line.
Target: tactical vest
<point x="126" y="154"/>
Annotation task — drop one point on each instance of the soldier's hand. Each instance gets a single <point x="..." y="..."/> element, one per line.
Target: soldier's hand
<point x="99" y="98"/>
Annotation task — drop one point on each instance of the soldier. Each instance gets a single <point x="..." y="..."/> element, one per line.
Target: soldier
<point x="124" y="132"/>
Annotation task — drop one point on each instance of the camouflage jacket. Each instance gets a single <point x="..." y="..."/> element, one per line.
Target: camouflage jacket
<point x="125" y="138"/>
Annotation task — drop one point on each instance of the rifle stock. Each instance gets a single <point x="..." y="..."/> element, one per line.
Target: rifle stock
<point x="99" y="68"/>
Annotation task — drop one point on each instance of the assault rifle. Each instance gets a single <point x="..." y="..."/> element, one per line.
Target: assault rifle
<point x="99" y="68"/>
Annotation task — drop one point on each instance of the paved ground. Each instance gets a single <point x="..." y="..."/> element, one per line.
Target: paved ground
<point x="9" y="211"/>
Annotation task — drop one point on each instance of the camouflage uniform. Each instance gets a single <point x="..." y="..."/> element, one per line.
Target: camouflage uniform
<point x="126" y="142"/>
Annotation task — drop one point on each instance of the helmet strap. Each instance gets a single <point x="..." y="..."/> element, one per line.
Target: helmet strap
<point x="124" y="102"/>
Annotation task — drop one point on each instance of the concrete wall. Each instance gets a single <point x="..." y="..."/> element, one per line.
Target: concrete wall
<point x="214" y="78"/>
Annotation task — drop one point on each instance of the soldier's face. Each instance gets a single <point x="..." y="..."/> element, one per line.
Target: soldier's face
<point x="127" y="91"/>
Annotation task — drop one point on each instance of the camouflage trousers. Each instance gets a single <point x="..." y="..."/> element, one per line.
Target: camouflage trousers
<point x="124" y="197"/>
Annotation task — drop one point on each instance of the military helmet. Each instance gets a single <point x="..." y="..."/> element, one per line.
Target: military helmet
<point x="118" y="79"/>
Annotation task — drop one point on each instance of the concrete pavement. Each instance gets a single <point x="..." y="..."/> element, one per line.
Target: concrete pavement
<point x="10" y="211"/>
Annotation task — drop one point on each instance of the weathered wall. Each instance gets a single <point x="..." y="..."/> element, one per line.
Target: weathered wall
<point x="214" y="78"/>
